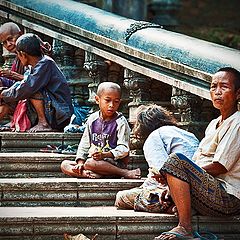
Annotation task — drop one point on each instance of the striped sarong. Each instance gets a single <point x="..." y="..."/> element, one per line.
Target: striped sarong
<point x="208" y="196"/>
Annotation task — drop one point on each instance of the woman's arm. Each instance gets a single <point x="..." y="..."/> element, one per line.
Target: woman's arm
<point x="11" y="74"/>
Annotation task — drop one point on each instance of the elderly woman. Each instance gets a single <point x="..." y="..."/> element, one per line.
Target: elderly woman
<point x="211" y="184"/>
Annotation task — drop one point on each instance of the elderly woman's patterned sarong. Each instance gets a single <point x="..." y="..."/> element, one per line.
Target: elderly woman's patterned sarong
<point x="208" y="196"/>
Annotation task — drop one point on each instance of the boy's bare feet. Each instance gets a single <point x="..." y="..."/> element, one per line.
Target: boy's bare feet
<point x="133" y="174"/>
<point x="89" y="174"/>
<point x="82" y="173"/>
<point x="40" y="128"/>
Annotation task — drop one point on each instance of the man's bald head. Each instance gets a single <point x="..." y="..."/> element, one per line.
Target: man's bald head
<point x="10" y="28"/>
<point x="9" y="33"/>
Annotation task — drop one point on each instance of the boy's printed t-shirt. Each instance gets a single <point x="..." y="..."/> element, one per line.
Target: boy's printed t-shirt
<point x="101" y="135"/>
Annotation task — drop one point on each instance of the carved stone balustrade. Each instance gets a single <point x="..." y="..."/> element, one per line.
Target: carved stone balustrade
<point x="156" y="59"/>
<point x="175" y="59"/>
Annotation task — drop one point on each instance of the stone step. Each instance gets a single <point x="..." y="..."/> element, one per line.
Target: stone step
<point x="62" y="191"/>
<point x="38" y="164"/>
<point x="44" y="223"/>
<point x="20" y="142"/>
<point x="32" y="164"/>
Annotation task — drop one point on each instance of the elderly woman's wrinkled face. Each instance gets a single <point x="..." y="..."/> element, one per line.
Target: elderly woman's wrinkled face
<point x="223" y="93"/>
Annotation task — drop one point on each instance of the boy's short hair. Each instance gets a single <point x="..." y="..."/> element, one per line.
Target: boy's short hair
<point x="30" y="44"/>
<point x="108" y="85"/>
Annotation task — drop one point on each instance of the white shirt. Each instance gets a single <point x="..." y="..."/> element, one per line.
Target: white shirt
<point x="222" y="145"/>
<point x="164" y="141"/>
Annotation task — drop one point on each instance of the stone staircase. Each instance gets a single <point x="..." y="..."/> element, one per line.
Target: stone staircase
<point x="39" y="202"/>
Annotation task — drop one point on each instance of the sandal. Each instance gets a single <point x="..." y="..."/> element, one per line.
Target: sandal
<point x="177" y="235"/>
<point x="178" y="232"/>
<point x="50" y="149"/>
<point x="205" y="236"/>
<point x="70" y="149"/>
<point x="5" y="129"/>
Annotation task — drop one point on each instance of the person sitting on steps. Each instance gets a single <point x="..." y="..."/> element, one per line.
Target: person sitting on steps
<point x="45" y="87"/>
<point x="159" y="130"/>
<point x="9" y="33"/>
<point x="210" y="185"/>
<point x="104" y="146"/>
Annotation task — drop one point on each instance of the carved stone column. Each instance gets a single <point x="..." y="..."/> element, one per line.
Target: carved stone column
<point x="116" y="74"/>
<point x="139" y="91"/>
<point x="189" y="111"/>
<point x="80" y="84"/>
<point x="97" y="69"/>
<point x="70" y="60"/>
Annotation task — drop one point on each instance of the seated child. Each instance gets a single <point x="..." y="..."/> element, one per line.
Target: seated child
<point x="45" y="87"/>
<point x="158" y="128"/>
<point x="104" y="146"/>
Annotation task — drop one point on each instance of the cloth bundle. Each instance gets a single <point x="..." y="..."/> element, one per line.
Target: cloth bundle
<point x="20" y="121"/>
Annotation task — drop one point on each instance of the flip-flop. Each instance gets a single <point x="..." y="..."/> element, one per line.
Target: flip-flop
<point x="70" y="149"/>
<point x="205" y="236"/>
<point x="5" y="129"/>
<point x="50" y="149"/>
<point x="177" y="235"/>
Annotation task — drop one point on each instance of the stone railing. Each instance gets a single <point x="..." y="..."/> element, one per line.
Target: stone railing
<point x="151" y="64"/>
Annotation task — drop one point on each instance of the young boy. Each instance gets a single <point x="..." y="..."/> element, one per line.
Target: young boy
<point x="45" y="87"/>
<point x="105" y="142"/>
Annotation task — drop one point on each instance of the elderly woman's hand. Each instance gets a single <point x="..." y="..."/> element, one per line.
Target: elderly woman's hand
<point x="5" y="73"/>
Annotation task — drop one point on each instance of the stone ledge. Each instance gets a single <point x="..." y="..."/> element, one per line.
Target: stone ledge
<point x="62" y="191"/>
<point x="108" y="222"/>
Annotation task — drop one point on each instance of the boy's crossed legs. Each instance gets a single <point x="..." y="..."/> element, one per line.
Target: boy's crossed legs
<point x="96" y="169"/>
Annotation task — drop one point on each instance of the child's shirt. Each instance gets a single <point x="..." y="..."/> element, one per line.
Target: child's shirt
<point x="100" y="135"/>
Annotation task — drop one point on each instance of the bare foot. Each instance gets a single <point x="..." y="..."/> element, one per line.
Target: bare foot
<point x="82" y="173"/>
<point x="178" y="232"/>
<point x="89" y="174"/>
<point x="133" y="174"/>
<point x="40" y="128"/>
